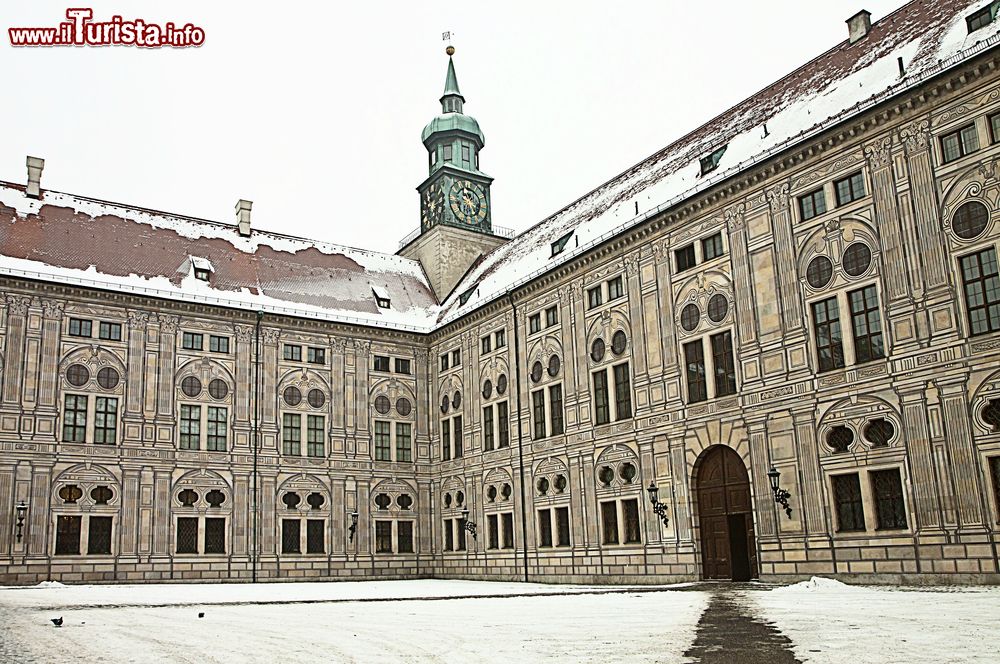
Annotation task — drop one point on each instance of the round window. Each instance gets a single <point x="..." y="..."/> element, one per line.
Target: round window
<point x="502" y="384"/>
<point x="619" y="342"/>
<point x="554" y="366"/>
<point x="597" y="350"/>
<point x="487" y="389"/>
<point x="879" y="432"/>
<point x="456" y="400"/>
<point x="543" y="485"/>
<point x="292" y="396"/>
<point x="77" y="375"/>
<point x="101" y="495"/>
<point x="72" y="493"/>
<point x="447" y="500"/>
<point x="819" y="272"/>
<point x="689" y="316"/>
<point x="627" y="472"/>
<point x="491" y="493"/>
<point x="840" y="438"/>
<point x="857" y="259"/>
<point x="505" y="491"/>
<point x="291" y="500"/>
<point x="404" y="501"/>
<point x="459" y="498"/>
<point x="187" y="497"/>
<point x="445" y="401"/>
<point x="606" y="475"/>
<point x="316" y="398"/>
<point x="536" y="372"/>
<point x="560" y="483"/>
<point x="718" y="307"/>
<point x="382" y="501"/>
<point x="382" y="404"/>
<point x="215" y="498"/>
<point x="991" y="414"/>
<point x="316" y="500"/>
<point x="970" y="220"/>
<point x="108" y="378"/>
<point x="403" y="406"/>
<point x="191" y="386"/>
<point x="218" y="389"/>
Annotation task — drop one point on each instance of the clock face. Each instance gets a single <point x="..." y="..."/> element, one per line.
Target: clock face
<point x="432" y="206"/>
<point x="468" y="202"/>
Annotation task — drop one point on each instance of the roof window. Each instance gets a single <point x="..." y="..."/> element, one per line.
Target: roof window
<point x="381" y="297"/>
<point x="560" y="244"/>
<point x="201" y="267"/>
<point x="711" y="162"/>
<point x="983" y="17"/>
<point x="464" y="297"/>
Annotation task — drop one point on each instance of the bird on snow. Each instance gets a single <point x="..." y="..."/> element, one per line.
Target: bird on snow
<point x="57" y="621"/>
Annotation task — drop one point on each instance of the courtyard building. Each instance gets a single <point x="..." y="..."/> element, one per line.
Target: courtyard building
<point x="798" y="300"/>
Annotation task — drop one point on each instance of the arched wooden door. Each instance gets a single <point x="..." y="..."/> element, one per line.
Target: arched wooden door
<point x="728" y="544"/>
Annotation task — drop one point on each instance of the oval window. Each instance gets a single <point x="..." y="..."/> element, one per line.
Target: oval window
<point x="970" y="220"/>
<point x="819" y="272"/>
<point x="108" y="378"/>
<point x="857" y="259"/>
<point x="689" y="316"/>
<point x="718" y="307"/>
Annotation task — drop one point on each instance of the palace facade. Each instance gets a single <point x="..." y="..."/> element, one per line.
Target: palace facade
<point x="802" y="294"/>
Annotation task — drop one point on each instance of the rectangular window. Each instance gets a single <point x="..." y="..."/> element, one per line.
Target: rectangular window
<point x="291" y="530"/>
<point x="75" y="419"/>
<point x="602" y="411"/>
<point x="80" y="328"/>
<point x="982" y="18"/>
<point x="609" y="522"/>
<point x="449" y="535"/>
<point x="402" y="366"/>
<point x="444" y="362"/>
<point x="829" y="346"/>
<point x="959" y="143"/>
<point x="616" y="289"/>
<point x="447" y="153"/>
<point x="315" y="536"/>
<point x="68" y="536"/>
<point x="630" y="512"/>
<point x="723" y="364"/>
<point x="623" y="392"/>
<point x="594" y="298"/>
<point x="404" y="444"/>
<point x="551" y="316"/>
<point x="500" y="338"/>
<point x="190" y="427"/>
<point x="99" y="536"/>
<point x="445" y="440"/>
<point x="315" y="435"/>
<point x="216" y="440"/>
<point x="534" y="323"/>
<point x="381" y="363"/>
<point x="812" y="204"/>
<point x="456" y="357"/>
<point x="215" y="535"/>
<point x="981" y="286"/>
<point x="187" y="534"/>
<point x="890" y="511"/>
<point x="485" y="344"/>
<point x="291" y="434"/>
<point x="218" y="344"/>
<point x="555" y="410"/>
<point x="487" y="428"/>
<point x="404" y="536"/>
<point x="544" y="528"/>
<point x="711" y="247"/>
<point x="466" y="154"/>
<point x="192" y="341"/>
<point x="383" y="537"/>
<point x="995" y="475"/>
<point x="684" y="258"/>
<point x="383" y="449"/>
<point x="493" y="531"/>
<point x="105" y="420"/>
<point x="848" y="503"/>
<point x="503" y="425"/>
<point x="538" y="414"/>
<point x="316" y="355"/>
<point x="508" y="530"/>
<point x="866" y="323"/>
<point x="460" y="538"/>
<point x="457" y="431"/>
<point x="850" y="189"/>
<point x="110" y="331"/>
<point x="694" y="363"/>
<point x="562" y="526"/>
<point x="995" y="128"/>
<point x="292" y="353"/>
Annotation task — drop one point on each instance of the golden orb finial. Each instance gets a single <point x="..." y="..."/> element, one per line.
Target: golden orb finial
<point x="450" y="50"/>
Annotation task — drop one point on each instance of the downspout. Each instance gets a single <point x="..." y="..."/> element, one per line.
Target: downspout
<point x="255" y="552"/>
<point x="520" y="434"/>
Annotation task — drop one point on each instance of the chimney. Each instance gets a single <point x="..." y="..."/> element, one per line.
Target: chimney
<point x="243" y="216"/>
<point x="35" y="166"/>
<point x="859" y="25"/>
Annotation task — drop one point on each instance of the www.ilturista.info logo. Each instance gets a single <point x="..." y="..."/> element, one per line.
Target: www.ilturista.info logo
<point x="80" y="30"/>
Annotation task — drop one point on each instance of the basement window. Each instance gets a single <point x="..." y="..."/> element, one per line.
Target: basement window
<point x="381" y="297"/>
<point x="983" y="17"/>
<point x="560" y="244"/>
<point x="711" y="162"/>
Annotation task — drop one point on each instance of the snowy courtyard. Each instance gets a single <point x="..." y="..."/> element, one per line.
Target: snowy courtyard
<point x="818" y="621"/>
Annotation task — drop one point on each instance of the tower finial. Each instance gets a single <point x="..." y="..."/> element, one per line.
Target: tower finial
<point x="450" y="50"/>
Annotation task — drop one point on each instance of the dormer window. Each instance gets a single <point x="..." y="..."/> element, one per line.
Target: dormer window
<point x="560" y="244"/>
<point x="202" y="275"/>
<point x="711" y="162"/>
<point x="983" y="17"/>
<point x="381" y="297"/>
<point x="201" y="267"/>
<point x="464" y="297"/>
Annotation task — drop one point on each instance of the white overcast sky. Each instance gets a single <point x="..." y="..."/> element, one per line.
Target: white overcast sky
<point x="314" y="110"/>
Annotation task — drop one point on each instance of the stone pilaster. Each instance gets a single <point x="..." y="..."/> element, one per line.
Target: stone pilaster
<point x="921" y="459"/>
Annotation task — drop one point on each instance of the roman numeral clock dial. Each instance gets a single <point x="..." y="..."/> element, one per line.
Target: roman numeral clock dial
<point x="468" y="202"/>
<point x="433" y="206"/>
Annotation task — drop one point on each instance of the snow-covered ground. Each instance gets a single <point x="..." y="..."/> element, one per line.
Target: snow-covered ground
<point x="461" y="621"/>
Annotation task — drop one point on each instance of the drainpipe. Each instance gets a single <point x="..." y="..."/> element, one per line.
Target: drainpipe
<point x="256" y="447"/>
<point x="520" y="434"/>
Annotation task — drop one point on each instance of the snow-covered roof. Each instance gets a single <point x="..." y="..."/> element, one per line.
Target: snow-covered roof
<point x="929" y="36"/>
<point x="96" y="244"/>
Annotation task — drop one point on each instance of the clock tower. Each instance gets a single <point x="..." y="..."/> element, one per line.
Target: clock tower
<point x="456" y="225"/>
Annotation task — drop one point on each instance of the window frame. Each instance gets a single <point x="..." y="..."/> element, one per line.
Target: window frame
<point x="114" y="331"/>
<point x="380" y="363"/>
<point x="715" y="242"/>
<point x="316" y="355"/>
<point x="616" y="288"/>
<point x="834" y="334"/>
<point x="216" y="345"/>
<point x="694" y="357"/>
<point x="961" y="135"/>
<point x="982" y="282"/>
<point x="291" y="353"/>
<point x="685" y="258"/>
<point x="852" y="195"/>
<point x="192" y="341"/>
<point x="816" y="199"/>
<point x="84" y="328"/>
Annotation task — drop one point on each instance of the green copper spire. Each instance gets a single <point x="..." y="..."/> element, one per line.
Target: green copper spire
<point x="452" y="99"/>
